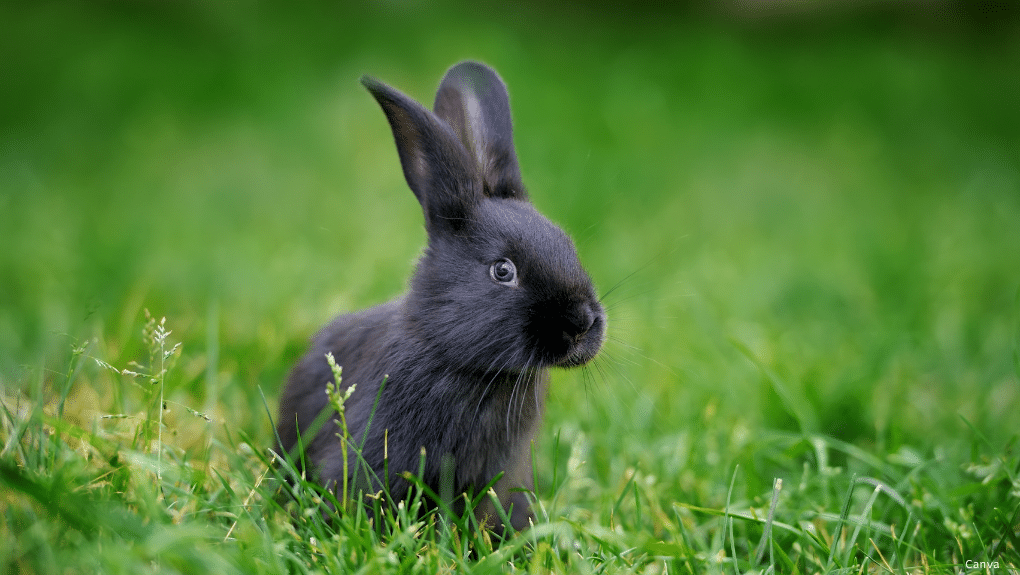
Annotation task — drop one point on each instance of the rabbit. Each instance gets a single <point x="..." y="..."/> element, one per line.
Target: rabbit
<point x="497" y="298"/>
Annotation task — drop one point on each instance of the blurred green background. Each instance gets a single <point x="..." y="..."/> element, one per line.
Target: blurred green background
<point x="810" y="213"/>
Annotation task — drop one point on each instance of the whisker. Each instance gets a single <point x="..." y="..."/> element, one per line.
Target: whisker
<point x="489" y="385"/>
<point x="526" y="374"/>
<point x="510" y="402"/>
<point x="538" y="405"/>
<point x="635" y="272"/>
<point x="533" y="376"/>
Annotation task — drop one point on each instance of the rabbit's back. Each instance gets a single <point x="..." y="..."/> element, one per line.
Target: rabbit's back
<point x="357" y="341"/>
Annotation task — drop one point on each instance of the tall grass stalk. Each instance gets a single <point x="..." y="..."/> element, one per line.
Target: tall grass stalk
<point x="337" y="399"/>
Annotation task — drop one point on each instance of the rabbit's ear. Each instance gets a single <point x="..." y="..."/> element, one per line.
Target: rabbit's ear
<point x="436" y="166"/>
<point x="473" y="100"/>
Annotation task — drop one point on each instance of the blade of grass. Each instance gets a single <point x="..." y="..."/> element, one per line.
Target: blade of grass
<point x="766" y="536"/>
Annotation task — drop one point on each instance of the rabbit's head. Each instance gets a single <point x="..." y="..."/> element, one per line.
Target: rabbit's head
<point x="499" y="287"/>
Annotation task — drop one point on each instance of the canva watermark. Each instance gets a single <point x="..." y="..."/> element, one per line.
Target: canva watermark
<point x="971" y="564"/>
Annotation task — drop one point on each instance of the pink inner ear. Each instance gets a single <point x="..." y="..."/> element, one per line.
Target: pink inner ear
<point x="475" y="121"/>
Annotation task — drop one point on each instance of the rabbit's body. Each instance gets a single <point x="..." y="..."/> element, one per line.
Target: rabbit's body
<point x="423" y="405"/>
<point x="497" y="298"/>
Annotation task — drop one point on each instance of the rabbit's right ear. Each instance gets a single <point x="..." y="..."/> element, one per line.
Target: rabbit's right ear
<point x="473" y="100"/>
<point x="436" y="165"/>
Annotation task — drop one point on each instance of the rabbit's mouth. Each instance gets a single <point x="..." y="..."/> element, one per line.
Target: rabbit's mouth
<point x="583" y="349"/>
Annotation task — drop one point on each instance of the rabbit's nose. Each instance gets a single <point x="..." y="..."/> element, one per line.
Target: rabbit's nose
<point x="579" y="322"/>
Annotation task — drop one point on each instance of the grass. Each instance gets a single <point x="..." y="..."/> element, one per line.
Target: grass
<point x="807" y="229"/>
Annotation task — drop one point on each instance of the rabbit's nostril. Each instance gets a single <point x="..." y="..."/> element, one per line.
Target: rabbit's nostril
<point x="579" y="323"/>
<point x="587" y="319"/>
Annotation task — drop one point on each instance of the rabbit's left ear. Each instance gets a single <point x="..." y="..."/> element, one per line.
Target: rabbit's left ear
<point x="473" y="100"/>
<point x="436" y="166"/>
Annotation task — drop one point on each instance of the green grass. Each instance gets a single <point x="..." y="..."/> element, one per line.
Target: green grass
<point x="810" y="229"/>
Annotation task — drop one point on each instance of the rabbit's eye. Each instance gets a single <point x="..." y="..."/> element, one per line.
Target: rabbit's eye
<point x="503" y="271"/>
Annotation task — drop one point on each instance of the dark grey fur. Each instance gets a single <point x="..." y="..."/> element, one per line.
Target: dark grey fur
<point x="465" y="354"/>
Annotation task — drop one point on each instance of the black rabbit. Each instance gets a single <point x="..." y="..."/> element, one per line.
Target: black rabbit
<point x="497" y="298"/>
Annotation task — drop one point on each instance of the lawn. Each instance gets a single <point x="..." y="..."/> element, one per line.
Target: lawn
<point x="806" y="226"/>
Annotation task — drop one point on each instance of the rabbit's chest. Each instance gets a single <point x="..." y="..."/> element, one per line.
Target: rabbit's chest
<point x="487" y="429"/>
